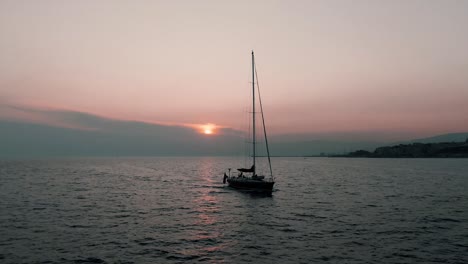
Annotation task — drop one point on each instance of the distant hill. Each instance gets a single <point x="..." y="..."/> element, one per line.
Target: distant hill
<point x="452" y="137"/>
<point x="290" y="145"/>
<point x="417" y="150"/>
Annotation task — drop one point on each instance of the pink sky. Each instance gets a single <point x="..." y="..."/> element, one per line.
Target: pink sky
<point x="324" y="66"/>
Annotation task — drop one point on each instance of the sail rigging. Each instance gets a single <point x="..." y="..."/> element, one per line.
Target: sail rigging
<point x="263" y="121"/>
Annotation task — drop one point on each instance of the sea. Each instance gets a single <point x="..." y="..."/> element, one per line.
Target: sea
<point x="177" y="210"/>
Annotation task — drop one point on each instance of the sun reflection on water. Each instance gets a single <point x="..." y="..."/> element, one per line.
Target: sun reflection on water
<point x="206" y="233"/>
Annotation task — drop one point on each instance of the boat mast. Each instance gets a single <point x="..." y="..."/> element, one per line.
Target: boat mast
<point x="253" y="110"/>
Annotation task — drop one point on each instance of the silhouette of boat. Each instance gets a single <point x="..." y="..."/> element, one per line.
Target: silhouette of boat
<point x="247" y="178"/>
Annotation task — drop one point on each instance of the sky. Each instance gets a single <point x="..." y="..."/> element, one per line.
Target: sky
<point x="396" y="68"/>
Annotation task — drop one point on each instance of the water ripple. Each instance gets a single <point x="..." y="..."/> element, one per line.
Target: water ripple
<point x="176" y="210"/>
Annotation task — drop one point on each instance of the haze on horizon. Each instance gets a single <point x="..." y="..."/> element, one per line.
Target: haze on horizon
<point x="393" y="67"/>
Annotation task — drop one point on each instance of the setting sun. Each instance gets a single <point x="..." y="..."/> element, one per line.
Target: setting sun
<point x="207" y="129"/>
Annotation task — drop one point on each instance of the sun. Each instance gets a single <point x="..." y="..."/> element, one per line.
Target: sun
<point x="208" y="129"/>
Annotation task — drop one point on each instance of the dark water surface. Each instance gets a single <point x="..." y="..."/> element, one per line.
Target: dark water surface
<point x="176" y="210"/>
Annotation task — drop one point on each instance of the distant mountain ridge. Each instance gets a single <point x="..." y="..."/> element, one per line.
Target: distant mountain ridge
<point x="417" y="150"/>
<point x="290" y="147"/>
<point x="453" y="145"/>
<point x="450" y="137"/>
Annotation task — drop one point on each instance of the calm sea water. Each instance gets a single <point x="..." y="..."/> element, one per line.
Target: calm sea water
<point x="176" y="210"/>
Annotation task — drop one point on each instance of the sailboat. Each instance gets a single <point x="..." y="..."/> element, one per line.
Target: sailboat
<point x="247" y="178"/>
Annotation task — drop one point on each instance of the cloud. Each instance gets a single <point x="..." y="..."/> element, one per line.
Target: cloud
<point x="29" y="131"/>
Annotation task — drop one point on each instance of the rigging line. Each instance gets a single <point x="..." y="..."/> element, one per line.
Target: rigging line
<point x="263" y="120"/>
<point x="247" y="135"/>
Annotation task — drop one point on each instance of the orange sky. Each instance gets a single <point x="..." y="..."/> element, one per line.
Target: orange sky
<point x="323" y="65"/>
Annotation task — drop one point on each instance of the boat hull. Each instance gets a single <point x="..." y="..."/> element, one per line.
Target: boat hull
<point x="250" y="184"/>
